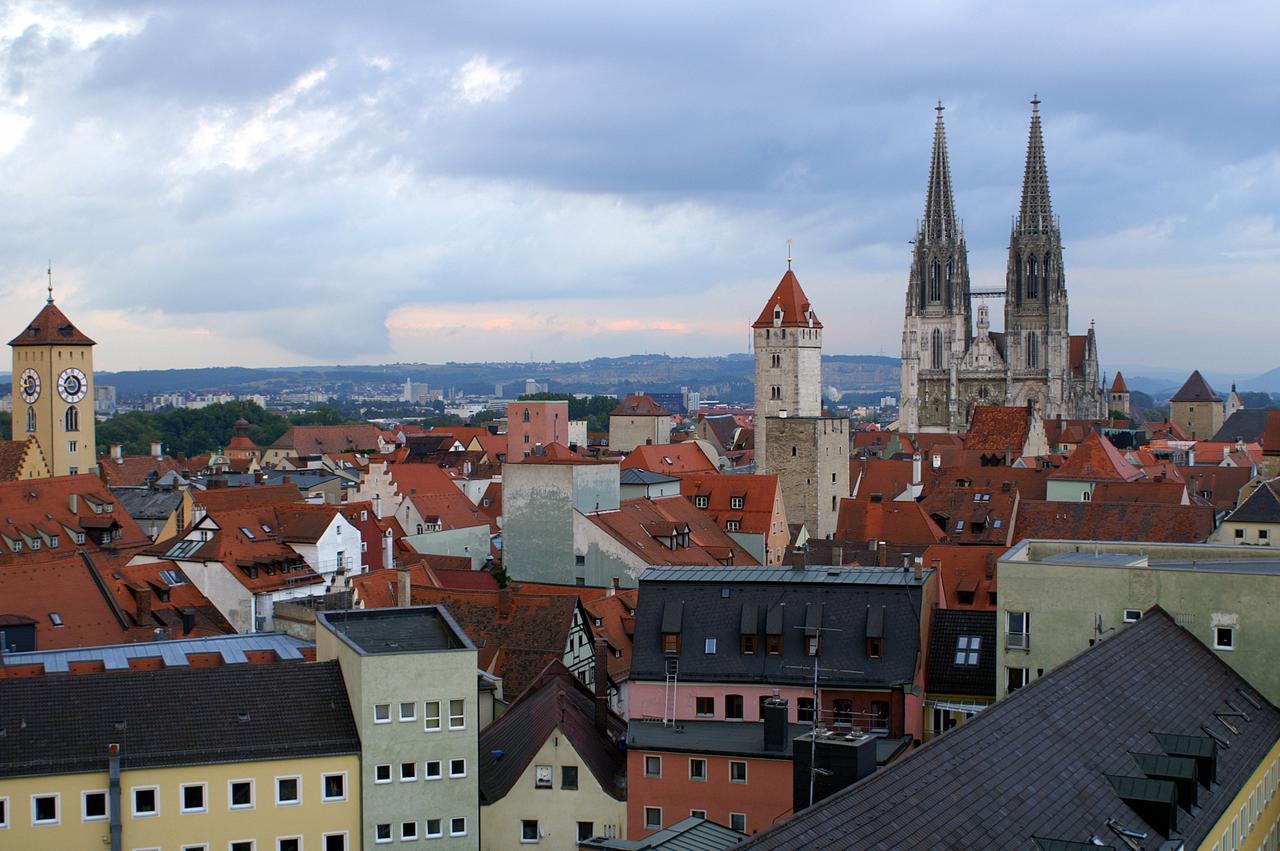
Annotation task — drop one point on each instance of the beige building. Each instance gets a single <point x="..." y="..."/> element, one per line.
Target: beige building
<point x="1256" y="522"/>
<point x="1197" y="408"/>
<point x="53" y="391"/>
<point x="638" y="421"/>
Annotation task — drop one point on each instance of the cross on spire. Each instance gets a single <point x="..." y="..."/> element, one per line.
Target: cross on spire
<point x="939" y="206"/>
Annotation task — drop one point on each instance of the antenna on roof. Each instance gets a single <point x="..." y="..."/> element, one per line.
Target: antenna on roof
<point x="50" y="270"/>
<point x="788" y="255"/>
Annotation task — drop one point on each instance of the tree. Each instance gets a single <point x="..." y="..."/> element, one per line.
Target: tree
<point x="594" y="409"/>
<point x="6" y="425"/>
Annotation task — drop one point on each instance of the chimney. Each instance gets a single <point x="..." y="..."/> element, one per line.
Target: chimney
<point x="797" y="559"/>
<point x="919" y="570"/>
<point x="1191" y="457"/>
<point x="935" y="460"/>
<point x="915" y="468"/>
<point x="1226" y="452"/>
<point x="142" y="603"/>
<point x="117" y="453"/>
<point x="188" y="621"/>
<point x="402" y="586"/>
<point x="883" y="556"/>
<point x="906" y="561"/>
<point x="157" y="449"/>
<point x="837" y="554"/>
<point x="73" y="502"/>
<point x="388" y="551"/>
<point x="774" y="712"/>
<point x="602" y="685"/>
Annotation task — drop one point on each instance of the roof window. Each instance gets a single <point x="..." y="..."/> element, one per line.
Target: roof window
<point x="56" y="619"/>
<point x="247" y="532"/>
<point x="967" y="647"/>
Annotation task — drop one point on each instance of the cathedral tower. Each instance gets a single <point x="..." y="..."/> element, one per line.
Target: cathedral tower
<point x="938" y="330"/>
<point x="53" y="390"/>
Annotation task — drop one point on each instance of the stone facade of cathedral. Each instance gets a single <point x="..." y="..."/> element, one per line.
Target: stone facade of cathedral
<point x="949" y="366"/>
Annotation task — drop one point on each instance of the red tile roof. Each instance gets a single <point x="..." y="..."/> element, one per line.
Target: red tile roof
<point x="759" y="493"/>
<point x="1094" y="521"/>
<point x="1118" y="386"/>
<point x="972" y="514"/>
<point x="967" y="574"/>
<point x="639" y="405"/>
<point x="889" y="478"/>
<point x="1097" y="459"/>
<point x="326" y="439"/>
<point x="16" y="454"/>
<point x="435" y="496"/>
<point x="638" y="525"/>
<point x="222" y="499"/>
<point x="997" y="428"/>
<point x="1271" y="436"/>
<point x="1078" y="346"/>
<point x="1031" y="483"/>
<point x="796" y="310"/>
<point x="1164" y="492"/>
<point x="491" y="502"/>
<point x="51" y="327"/>
<point x="135" y="470"/>
<point x="1220" y="485"/>
<point x="554" y="453"/>
<point x="669" y="458"/>
<point x="35" y="512"/>
<point x="864" y="519"/>
<point x="617" y="623"/>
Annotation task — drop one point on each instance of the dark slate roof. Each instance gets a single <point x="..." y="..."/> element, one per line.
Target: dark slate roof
<point x="691" y="834"/>
<point x="174" y="716"/>
<point x="944" y="675"/>
<point x="144" y="503"/>
<point x="637" y="476"/>
<point x="1262" y="506"/>
<point x="1035" y="764"/>
<point x="711" y="603"/>
<point x="730" y="738"/>
<point x="556" y="700"/>
<point x="1196" y="389"/>
<point x="1247" y="425"/>
<point x="413" y="629"/>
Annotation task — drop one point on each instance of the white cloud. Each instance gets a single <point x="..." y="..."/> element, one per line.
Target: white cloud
<point x="62" y="21"/>
<point x="479" y="81"/>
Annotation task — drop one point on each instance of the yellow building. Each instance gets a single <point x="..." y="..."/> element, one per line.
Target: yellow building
<point x="22" y="459"/>
<point x="248" y="757"/>
<point x="1197" y="408"/>
<point x="53" y="391"/>
<point x="1256" y="522"/>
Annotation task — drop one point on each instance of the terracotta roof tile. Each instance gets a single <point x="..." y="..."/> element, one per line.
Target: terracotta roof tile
<point x="323" y="440"/>
<point x="1118" y="386"/>
<point x="1097" y="459"/>
<point x="759" y="494"/>
<point x="967" y="573"/>
<point x="996" y="428"/>
<point x="617" y="623"/>
<point x="639" y="405"/>
<point x="708" y="544"/>
<point x="670" y="458"/>
<point x="796" y="310"/>
<point x="1092" y="521"/>
<point x="35" y="512"/>
<point x="51" y="326"/>
<point x="865" y="519"/>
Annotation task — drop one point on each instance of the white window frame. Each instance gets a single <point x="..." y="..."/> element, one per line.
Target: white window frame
<point x="380" y="768"/>
<point x="253" y="843"/>
<point x="426" y="769"/>
<point x="296" y="836"/>
<point x="742" y="816"/>
<point x="409" y="837"/>
<point x="253" y="794"/>
<point x="537" y="830"/>
<point x="648" y="825"/>
<point x="133" y="801"/>
<point x="182" y="795"/>
<point x="297" y="778"/>
<point x="462" y="832"/>
<point x="1132" y="615"/>
<point x="346" y="787"/>
<point x="426" y="716"/>
<point x="413" y="710"/>
<point x="57" y="809"/>
<point x="1218" y="645"/>
<point x="745" y="770"/>
<point x="84" y="798"/>
<point x="692" y="761"/>
<point x="377" y="710"/>
<point x="462" y="715"/>
<point x="378" y="840"/>
<point x="697" y="814"/>
<point x="709" y="647"/>
<point x="1026" y="677"/>
<point x="461" y="759"/>
<point x="324" y="839"/>
<point x="1017" y="640"/>
<point x="648" y="757"/>
<point x="412" y="778"/>
<point x="4" y="812"/>
<point x="426" y="828"/>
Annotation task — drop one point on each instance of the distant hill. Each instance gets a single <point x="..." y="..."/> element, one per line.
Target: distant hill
<point x="1268" y="382"/>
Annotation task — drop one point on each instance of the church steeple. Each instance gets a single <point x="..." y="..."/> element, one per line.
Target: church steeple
<point x="939" y="205"/>
<point x="1036" y="213"/>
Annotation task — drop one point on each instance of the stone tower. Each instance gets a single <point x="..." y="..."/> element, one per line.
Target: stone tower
<point x="788" y="345"/>
<point x="53" y="391"/>
<point x="809" y="453"/>
<point x="1119" y="396"/>
<point x="937" y="331"/>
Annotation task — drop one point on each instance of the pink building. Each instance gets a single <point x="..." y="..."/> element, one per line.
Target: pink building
<point x="533" y="423"/>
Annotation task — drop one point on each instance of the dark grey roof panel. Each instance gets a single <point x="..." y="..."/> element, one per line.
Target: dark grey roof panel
<point x="812" y="619"/>
<point x="750" y="624"/>
<point x="773" y="621"/>
<point x="875" y="621"/>
<point x="671" y="617"/>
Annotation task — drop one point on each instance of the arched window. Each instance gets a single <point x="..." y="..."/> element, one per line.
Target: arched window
<point x="525" y="415"/>
<point x="936" y="345"/>
<point x="1033" y="350"/>
<point x="935" y="281"/>
<point x="1033" y="286"/>
<point x="31" y="419"/>
<point x="72" y="419"/>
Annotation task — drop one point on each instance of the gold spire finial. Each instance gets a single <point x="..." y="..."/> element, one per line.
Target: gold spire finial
<point x="788" y="255"/>
<point x="50" y="271"/>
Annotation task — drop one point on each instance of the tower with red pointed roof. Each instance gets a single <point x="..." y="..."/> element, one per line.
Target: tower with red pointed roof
<point x="53" y="390"/>
<point x="1119" y="395"/>
<point x="793" y="440"/>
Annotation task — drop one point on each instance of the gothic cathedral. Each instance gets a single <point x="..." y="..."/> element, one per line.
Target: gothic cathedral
<point x="53" y="391"/>
<point x="948" y="367"/>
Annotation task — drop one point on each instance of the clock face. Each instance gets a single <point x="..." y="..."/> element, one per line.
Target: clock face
<point x="29" y="385"/>
<point x="72" y="385"/>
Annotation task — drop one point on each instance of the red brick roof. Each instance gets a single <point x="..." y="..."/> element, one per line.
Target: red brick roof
<point x="222" y="499"/>
<point x="51" y="327"/>
<point x="433" y="493"/>
<point x="1031" y="483"/>
<point x="639" y="405"/>
<point x="876" y="475"/>
<point x="863" y="520"/>
<point x="33" y="512"/>
<point x="326" y="439"/>
<point x="1166" y="492"/>
<point x="964" y="571"/>
<point x="759" y="493"/>
<point x="1097" y="459"/>
<point x="638" y="524"/>
<point x="1118" y="386"/>
<point x="134" y="470"/>
<point x="14" y="454"/>
<point x="1106" y="521"/>
<point x="972" y="514"/>
<point x="1220" y="485"/>
<point x="996" y="428"/>
<point x="493" y="496"/>
<point x="796" y="310"/>
<point x="616" y="614"/>
<point x="669" y="458"/>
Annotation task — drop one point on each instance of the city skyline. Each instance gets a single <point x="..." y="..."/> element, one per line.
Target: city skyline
<point x="240" y="187"/>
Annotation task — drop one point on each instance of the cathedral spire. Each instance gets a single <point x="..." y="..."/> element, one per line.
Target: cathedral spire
<point x="939" y="206"/>
<point x="1036" y="214"/>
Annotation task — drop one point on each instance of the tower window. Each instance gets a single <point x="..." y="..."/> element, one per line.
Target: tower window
<point x="935" y="281"/>
<point x="31" y="419"/>
<point x="525" y="416"/>
<point x="72" y="419"/>
<point x="1033" y="286"/>
<point x="937" y="348"/>
<point x="1033" y="350"/>
<point x="777" y="361"/>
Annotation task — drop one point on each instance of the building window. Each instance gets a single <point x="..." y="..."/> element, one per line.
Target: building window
<point x="704" y="706"/>
<point x="737" y="502"/>
<point x="936" y="351"/>
<point x="1015" y="678"/>
<point x="1239" y="534"/>
<point x="697" y="769"/>
<point x="935" y="281"/>
<point x="288" y="791"/>
<point x="586" y="830"/>
<point x="242" y="845"/>
<point x="875" y="648"/>
<point x="408" y="831"/>
<point x="408" y="710"/>
<point x="432" y="828"/>
<point x="653" y="766"/>
<point x="1033" y="288"/>
<point x="241" y="794"/>
<point x="1224" y="638"/>
<point x="93" y="806"/>
<point x="408" y="772"/>
<point x="670" y="642"/>
<point x="31" y="419"/>
<point x="457" y="768"/>
<point x="653" y="818"/>
<point x="1033" y="350"/>
<point x="738" y="822"/>
<point x="71" y="420"/>
<point x="457" y="714"/>
<point x="943" y="720"/>
<point x="71" y="446"/>
<point x="1132" y="615"/>
<point x="733" y="706"/>
<point x="290" y="843"/>
<point x="737" y="772"/>
<point x="804" y="709"/>
<point x="698" y="813"/>
<point x="748" y="645"/>
<point x="568" y="777"/>
<point x="458" y="826"/>
<point x="381" y="713"/>
<point x="334" y="787"/>
<point x="382" y="833"/>
<point x="879" y="716"/>
<point x="524" y="417"/>
<point x="709" y="647"/>
<point x="701" y="502"/>
<point x="773" y="645"/>
<point x="1018" y="630"/>
<point x="967" y="647"/>
<point x="146" y="801"/>
<point x="382" y="773"/>
<point x="431" y="715"/>
<point x="435" y="769"/>
<point x="44" y="809"/>
<point x="193" y="798"/>
<point x="529" y="830"/>
<point x="733" y="525"/>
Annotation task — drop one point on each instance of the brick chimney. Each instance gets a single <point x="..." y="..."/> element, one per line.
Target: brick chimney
<point x="142" y="605"/>
<point x="402" y="586"/>
<point x="837" y="554"/>
<point x="602" y="684"/>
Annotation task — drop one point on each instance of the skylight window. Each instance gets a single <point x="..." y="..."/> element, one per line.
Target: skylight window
<point x="967" y="648"/>
<point x="55" y="619"/>
<point x="247" y="532"/>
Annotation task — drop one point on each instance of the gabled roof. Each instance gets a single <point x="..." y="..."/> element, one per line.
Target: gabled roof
<point x="1220" y="485"/>
<point x="555" y="701"/>
<point x="1143" y="490"/>
<point x="965" y="571"/>
<point x="36" y="513"/>
<point x="51" y="327"/>
<point x="325" y="439"/>
<point x="640" y="524"/>
<point x="970" y="671"/>
<point x="174" y="716"/>
<point x="997" y="428"/>
<point x="15" y="455"/>
<point x="671" y="458"/>
<point x="1110" y="521"/>
<point x="972" y="515"/>
<point x="1262" y="506"/>
<point x="1118" y="386"/>
<point x="617" y="623"/>
<point x="796" y="310"/>
<point x="1196" y="389"/>
<point x="983" y="784"/>
<point x="1247" y="424"/>
<point x="1097" y="459"/>
<point x="865" y="519"/>
<point x="639" y="405"/>
<point x="757" y="492"/>
<point x="887" y="477"/>
<point x="222" y="499"/>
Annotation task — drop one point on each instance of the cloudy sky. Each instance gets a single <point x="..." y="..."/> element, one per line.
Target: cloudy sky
<point x="263" y="184"/>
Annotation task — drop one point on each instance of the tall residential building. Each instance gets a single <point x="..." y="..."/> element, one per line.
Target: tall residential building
<point x="53" y="397"/>
<point x="809" y="453"/>
<point x="947" y="368"/>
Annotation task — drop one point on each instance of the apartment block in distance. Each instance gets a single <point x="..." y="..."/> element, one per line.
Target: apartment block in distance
<point x="411" y="674"/>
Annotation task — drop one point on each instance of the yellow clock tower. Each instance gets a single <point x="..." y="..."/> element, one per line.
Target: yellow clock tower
<point x="53" y="391"/>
